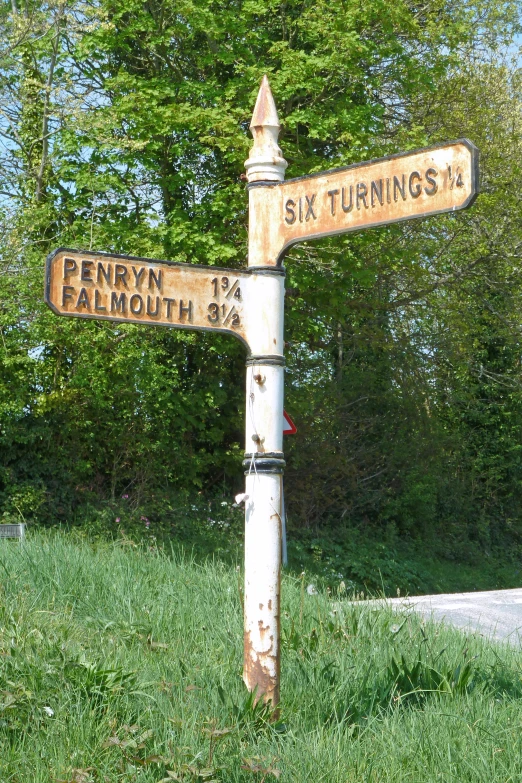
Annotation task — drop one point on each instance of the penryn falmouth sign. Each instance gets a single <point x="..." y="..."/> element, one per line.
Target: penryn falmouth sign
<point x="128" y="289"/>
<point x="249" y="304"/>
<point x="141" y="290"/>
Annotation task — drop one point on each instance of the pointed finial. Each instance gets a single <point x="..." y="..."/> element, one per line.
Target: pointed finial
<point x="265" y="112"/>
<point x="266" y="162"/>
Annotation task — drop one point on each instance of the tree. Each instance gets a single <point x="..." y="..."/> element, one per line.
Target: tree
<point x="127" y="132"/>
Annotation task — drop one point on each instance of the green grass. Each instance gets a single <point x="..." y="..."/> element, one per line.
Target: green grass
<point x="122" y="664"/>
<point x="366" y="559"/>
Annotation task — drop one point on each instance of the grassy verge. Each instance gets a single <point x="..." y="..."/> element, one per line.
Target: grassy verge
<point x="123" y="664"/>
<point x="365" y="560"/>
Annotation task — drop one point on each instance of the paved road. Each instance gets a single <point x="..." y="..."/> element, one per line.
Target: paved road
<point x="496" y="614"/>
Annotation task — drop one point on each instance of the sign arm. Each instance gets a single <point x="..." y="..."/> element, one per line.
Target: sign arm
<point x="404" y="186"/>
<point x="129" y="289"/>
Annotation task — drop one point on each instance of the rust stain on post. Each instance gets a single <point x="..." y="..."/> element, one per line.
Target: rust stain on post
<point x="259" y="676"/>
<point x="261" y="665"/>
<point x="261" y="670"/>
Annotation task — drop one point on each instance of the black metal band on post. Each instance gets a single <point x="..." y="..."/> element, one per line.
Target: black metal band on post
<point x="262" y="183"/>
<point x="270" y="462"/>
<point x="266" y="270"/>
<point x="274" y="361"/>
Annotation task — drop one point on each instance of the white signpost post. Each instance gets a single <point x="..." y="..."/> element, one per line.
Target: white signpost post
<point x="249" y="303"/>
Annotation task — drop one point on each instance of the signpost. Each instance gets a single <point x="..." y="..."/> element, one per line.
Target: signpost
<point x="250" y="304"/>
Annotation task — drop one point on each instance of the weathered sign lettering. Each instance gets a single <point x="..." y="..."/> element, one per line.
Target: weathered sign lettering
<point x="139" y="290"/>
<point x="400" y="187"/>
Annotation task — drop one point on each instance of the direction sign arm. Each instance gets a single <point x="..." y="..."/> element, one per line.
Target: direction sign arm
<point x="129" y="289"/>
<point x="415" y="184"/>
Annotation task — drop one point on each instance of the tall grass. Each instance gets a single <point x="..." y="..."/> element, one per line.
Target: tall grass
<point x="121" y="664"/>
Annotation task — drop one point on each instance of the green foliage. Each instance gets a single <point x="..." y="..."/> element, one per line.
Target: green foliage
<point x="98" y="684"/>
<point x="252" y="714"/>
<point x="353" y="561"/>
<point x="125" y="128"/>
